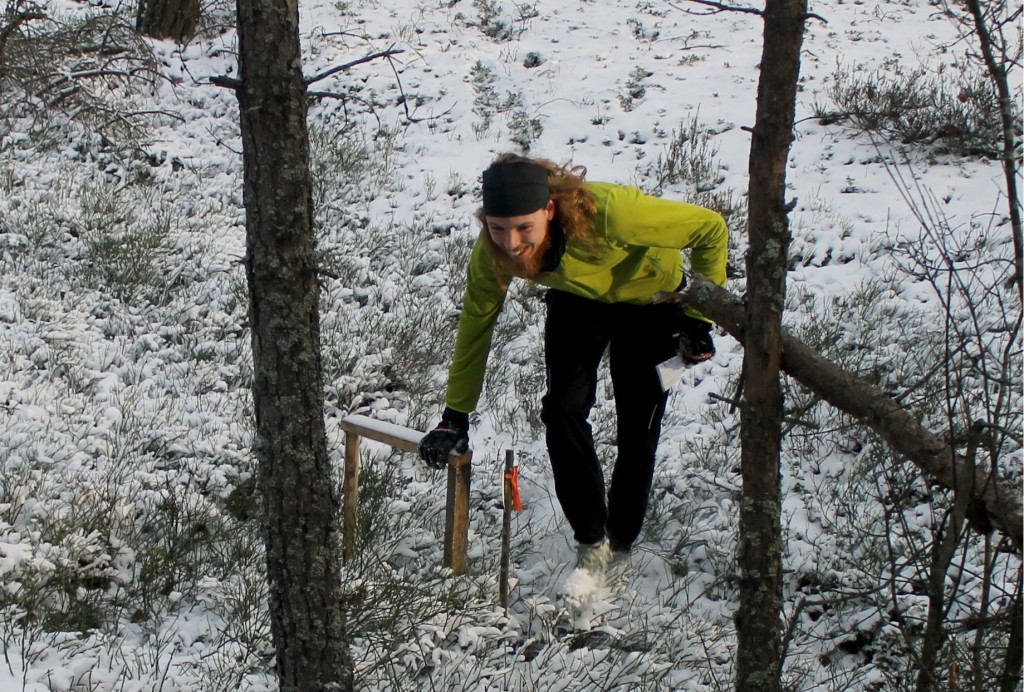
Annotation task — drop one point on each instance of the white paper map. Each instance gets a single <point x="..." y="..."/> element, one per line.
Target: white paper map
<point x="670" y="372"/>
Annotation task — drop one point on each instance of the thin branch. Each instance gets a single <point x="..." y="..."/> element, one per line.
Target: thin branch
<point x="795" y="422"/>
<point x="226" y="82"/>
<point x="1009" y="678"/>
<point x="87" y="74"/>
<point x="998" y="74"/>
<point x="1012" y="434"/>
<point x="720" y="7"/>
<point x="62" y="94"/>
<point x="345" y="98"/>
<point x="405" y="101"/>
<point x="341" y="68"/>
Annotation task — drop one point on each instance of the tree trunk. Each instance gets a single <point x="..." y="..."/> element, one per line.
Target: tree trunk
<point x="175" y="19"/>
<point x="303" y="560"/>
<point x="758" y="625"/>
<point x="992" y="504"/>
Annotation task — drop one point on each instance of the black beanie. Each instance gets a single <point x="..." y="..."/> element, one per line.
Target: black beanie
<point x="515" y="188"/>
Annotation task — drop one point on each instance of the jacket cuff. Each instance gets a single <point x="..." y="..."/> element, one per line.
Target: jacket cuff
<point x="692" y="325"/>
<point x="457" y="418"/>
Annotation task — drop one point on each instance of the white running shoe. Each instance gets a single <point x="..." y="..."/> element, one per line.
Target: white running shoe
<point x="593" y="557"/>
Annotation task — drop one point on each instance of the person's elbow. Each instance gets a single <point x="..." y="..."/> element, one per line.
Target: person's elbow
<point x="718" y="234"/>
<point x="715" y="248"/>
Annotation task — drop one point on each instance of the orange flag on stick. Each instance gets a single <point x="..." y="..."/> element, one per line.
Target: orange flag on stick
<point x="513" y="478"/>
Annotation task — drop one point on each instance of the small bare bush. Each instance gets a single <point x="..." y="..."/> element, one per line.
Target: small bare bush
<point x="84" y="69"/>
<point x="957" y="111"/>
<point x="122" y="253"/>
<point x="689" y="159"/>
<point x="491" y="23"/>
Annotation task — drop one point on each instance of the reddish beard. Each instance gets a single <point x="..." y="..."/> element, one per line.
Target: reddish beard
<point x="529" y="267"/>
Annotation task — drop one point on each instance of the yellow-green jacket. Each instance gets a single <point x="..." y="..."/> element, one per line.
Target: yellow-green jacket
<point x="637" y="255"/>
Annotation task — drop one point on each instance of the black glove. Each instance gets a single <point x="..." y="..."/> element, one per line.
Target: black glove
<point x="695" y="343"/>
<point x="451" y="434"/>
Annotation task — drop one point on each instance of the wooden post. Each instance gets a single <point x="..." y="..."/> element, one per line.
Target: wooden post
<point x="456" y="529"/>
<point x="350" y="500"/>
<point x="456" y="512"/>
<point x="506" y="530"/>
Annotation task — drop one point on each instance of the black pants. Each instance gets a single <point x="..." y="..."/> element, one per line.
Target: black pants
<point x="576" y="335"/>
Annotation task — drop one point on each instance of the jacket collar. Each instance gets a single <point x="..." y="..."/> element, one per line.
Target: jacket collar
<point x="554" y="254"/>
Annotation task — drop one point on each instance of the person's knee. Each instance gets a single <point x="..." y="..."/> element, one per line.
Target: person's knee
<point x="556" y="408"/>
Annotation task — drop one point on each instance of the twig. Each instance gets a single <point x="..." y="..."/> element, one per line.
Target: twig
<point x="405" y="101"/>
<point x="341" y="68"/>
<point x="226" y="82"/>
<point x="720" y="7"/>
<point x="788" y="419"/>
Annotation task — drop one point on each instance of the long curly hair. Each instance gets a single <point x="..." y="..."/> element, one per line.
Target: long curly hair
<point x="575" y="207"/>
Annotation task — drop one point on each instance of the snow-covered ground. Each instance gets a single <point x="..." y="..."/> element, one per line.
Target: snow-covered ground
<point x="124" y="403"/>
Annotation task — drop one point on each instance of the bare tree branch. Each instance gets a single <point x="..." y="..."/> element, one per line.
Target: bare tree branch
<point x="720" y="7"/>
<point x="991" y="502"/>
<point x="998" y="74"/>
<point x="341" y="68"/>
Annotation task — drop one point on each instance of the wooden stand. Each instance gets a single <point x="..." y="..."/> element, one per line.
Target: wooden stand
<point x="350" y="497"/>
<point x="456" y="512"/>
<point x="456" y="528"/>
